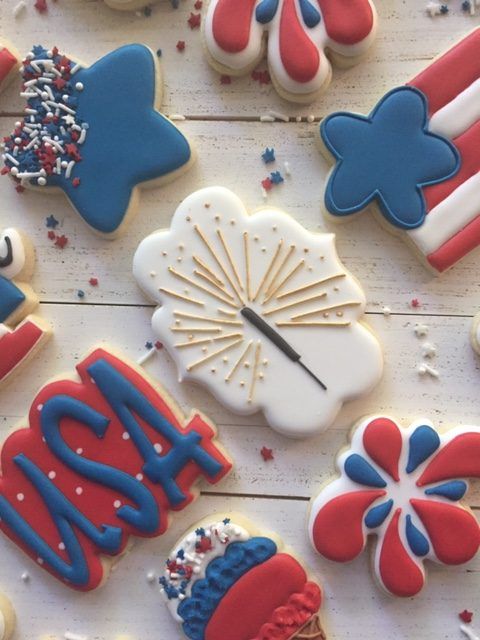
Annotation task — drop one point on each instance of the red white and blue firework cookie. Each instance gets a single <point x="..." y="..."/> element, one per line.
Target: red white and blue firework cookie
<point x="299" y="34"/>
<point x="405" y="486"/>
<point x="9" y="64"/>
<point x="225" y="580"/>
<point x="95" y="133"/>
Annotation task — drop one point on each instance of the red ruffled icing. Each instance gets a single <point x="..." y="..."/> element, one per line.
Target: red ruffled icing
<point x="288" y="619"/>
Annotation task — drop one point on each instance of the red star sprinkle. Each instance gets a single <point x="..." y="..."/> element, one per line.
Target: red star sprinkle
<point x="266" y="453"/>
<point x="41" y="6"/>
<point x="262" y="77"/>
<point x="59" y="83"/>
<point x="158" y="345"/>
<point x="225" y="80"/>
<point x="51" y="235"/>
<point x="93" y="282"/>
<point x="194" y="20"/>
<point x="466" y="616"/>
<point x="61" y="242"/>
<point x="76" y="182"/>
<point x="267" y="184"/>
<point x="204" y="545"/>
<point x="198" y="5"/>
<point x="181" y="45"/>
<point x="415" y="303"/>
<point x="19" y="188"/>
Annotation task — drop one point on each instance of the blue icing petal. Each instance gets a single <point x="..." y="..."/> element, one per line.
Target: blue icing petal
<point x="310" y="15"/>
<point x="266" y="11"/>
<point x="454" y="490"/>
<point x="369" y="151"/>
<point x="417" y="541"/>
<point x="11" y="297"/>
<point x="221" y="574"/>
<point x="377" y="515"/>
<point x="423" y="442"/>
<point x="361" y="471"/>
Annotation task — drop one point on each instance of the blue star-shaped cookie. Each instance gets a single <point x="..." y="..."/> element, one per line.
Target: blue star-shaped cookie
<point x="387" y="157"/>
<point x="100" y="135"/>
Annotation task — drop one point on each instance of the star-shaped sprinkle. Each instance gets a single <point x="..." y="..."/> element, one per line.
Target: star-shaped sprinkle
<point x="466" y="5"/>
<point x="369" y="151"/>
<point x="466" y="616"/>
<point x="181" y="45"/>
<point x="93" y="282"/>
<point x="61" y="242"/>
<point x="198" y="5"/>
<point x="266" y="453"/>
<point x="276" y="177"/>
<point x="158" y="345"/>
<point x="267" y="184"/>
<point x="204" y="545"/>
<point x="415" y="303"/>
<point x="226" y="521"/>
<point x="268" y="156"/>
<point x="194" y="20"/>
<point x="41" y="6"/>
<point x="149" y="345"/>
<point x="444" y="9"/>
<point x="51" y="222"/>
<point x="81" y="294"/>
<point x="51" y="235"/>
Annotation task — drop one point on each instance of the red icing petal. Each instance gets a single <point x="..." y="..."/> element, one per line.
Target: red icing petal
<point x="231" y="24"/>
<point x="382" y="440"/>
<point x="338" y="527"/>
<point x="460" y="458"/>
<point x="252" y="600"/>
<point x="399" y="573"/>
<point x="347" y="21"/>
<point x="7" y="63"/>
<point x="17" y="345"/>
<point x="300" y="56"/>
<point x="454" y="531"/>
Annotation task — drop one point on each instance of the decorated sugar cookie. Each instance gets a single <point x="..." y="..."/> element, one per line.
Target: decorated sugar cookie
<point x="7" y="618"/>
<point x="260" y="311"/>
<point x="21" y="334"/>
<point x="225" y="579"/>
<point x="405" y="487"/>
<point x="104" y="455"/>
<point x="300" y="36"/>
<point x="9" y="64"/>
<point x="431" y="129"/>
<point x="95" y="133"/>
<point x="475" y="334"/>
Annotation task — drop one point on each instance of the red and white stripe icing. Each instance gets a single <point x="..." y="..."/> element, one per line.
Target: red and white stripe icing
<point x="452" y="86"/>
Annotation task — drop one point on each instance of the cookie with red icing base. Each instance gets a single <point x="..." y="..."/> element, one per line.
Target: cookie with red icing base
<point x="300" y="36"/>
<point x="225" y="579"/>
<point x="21" y="334"/>
<point x="405" y="486"/>
<point x="9" y="64"/>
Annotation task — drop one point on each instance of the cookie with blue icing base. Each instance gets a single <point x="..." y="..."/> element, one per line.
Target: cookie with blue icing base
<point x="95" y="133"/>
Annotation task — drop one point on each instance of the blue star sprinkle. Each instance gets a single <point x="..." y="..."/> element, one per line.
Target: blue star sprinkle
<point x="387" y="157"/>
<point x="276" y="177"/>
<point x="268" y="156"/>
<point x="51" y="222"/>
<point x="226" y="521"/>
<point x="94" y="132"/>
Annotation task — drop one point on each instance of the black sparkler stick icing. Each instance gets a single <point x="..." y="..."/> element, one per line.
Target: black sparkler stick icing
<point x="277" y="340"/>
<point x="8" y="259"/>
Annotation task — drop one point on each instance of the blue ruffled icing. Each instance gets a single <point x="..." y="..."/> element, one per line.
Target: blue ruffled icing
<point x="221" y="574"/>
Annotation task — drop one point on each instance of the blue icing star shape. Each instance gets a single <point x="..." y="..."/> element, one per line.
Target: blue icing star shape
<point x="386" y="158"/>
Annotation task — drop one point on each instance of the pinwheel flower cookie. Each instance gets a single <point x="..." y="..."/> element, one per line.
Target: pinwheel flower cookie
<point x="299" y="35"/>
<point x="404" y="486"/>
<point x="95" y="133"/>
<point x="224" y="579"/>
<point x="21" y="334"/>
<point x="259" y="311"/>
<point x="9" y="64"/>
<point x="416" y="158"/>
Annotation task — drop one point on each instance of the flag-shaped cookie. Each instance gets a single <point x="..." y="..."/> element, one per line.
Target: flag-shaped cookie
<point x="416" y="158"/>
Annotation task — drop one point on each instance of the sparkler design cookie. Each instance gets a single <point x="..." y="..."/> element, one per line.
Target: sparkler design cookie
<point x="95" y="133"/>
<point x="21" y="334"/>
<point x="299" y="35"/>
<point x="406" y="487"/>
<point x="260" y="311"/>
<point x="9" y="64"/>
<point x="225" y="579"/>
<point x="431" y="128"/>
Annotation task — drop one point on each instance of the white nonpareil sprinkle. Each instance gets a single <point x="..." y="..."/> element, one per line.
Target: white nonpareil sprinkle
<point x="429" y="350"/>
<point x="421" y="330"/>
<point x="25" y="576"/>
<point x="386" y="311"/>
<point x="433" y="9"/>
<point x="425" y="369"/>
<point x="150" y="577"/>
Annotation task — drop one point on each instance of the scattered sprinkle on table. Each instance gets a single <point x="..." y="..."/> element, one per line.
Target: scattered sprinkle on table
<point x="61" y="242"/>
<point x="51" y="222"/>
<point x="266" y="453"/>
<point x="194" y="20"/>
<point x="465" y="616"/>
<point x="268" y="155"/>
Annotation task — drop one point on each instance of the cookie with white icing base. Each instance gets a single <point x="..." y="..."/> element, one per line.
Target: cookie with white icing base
<point x="95" y="133"/>
<point x="431" y="127"/>
<point x="296" y="36"/>
<point x="21" y="334"/>
<point x="260" y="311"/>
<point x="227" y="579"/>
<point x="475" y="334"/>
<point x="7" y="618"/>
<point x="9" y="64"/>
<point x="406" y="487"/>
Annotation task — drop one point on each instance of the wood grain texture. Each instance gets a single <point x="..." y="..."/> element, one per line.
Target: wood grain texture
<point x="222" y="122"/>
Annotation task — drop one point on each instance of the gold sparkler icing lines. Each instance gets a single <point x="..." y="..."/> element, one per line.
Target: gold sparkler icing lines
<point x="260" y="311"/>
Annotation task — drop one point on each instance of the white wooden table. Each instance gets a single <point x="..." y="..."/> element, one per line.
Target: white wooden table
<point x="223" y="122"/>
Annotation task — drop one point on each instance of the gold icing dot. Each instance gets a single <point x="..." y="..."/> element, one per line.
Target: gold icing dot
<point x="164" y="253"/>
<point x="264" y="249"/>
<point x="247" y="365"/>
<point x="326" y="314"/>
<point x="153" y="274"/>
<point x="177" y="321"/>
<point x="256" y="238"/>
<point x="207" y="205"/>
<point x="336" y="288"/>
<point x="232" y="222"/>
<point x="339" y="314"/>
<point x="190" y="336"/>
<point x="274" y="228"/>
<point x="306" y="250"/>
<point x="213" y="370"/>
<point x="204" y="349"/>
<point x="242" y="383"/>
<point x="225" y="359"/>
<point x="265" y="362"/>
<point x="217" y="218"/>
<point x="181" y="247"/>
<point x="261" y="376"/>
<point x="322" y="257"/>
<point x="188" y="219"/>
<point x="179" y="259"/>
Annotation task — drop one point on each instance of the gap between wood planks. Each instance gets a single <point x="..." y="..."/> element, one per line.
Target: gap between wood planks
<point x="207" y="118"/>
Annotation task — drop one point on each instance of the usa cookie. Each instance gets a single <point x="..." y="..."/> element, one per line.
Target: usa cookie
<point x="405" y="486"/>
<point x="259" y="311"/>
<point x="225" y="579"/>
<point x="103" y="456"/>
<point x="21" y="334"/>
<point x="95" y="133"/>
<point x="9" y="64"/>
<point x="300" y="36"/>
<point x="431" y="128"/>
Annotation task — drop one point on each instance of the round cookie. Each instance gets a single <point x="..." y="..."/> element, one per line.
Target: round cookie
<point x="95" y="133"/>
<point x="296" y="36"/>
<point x="259" y="311"/>
<point x="225" y="579"/>
<point x="406" y="487"/>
